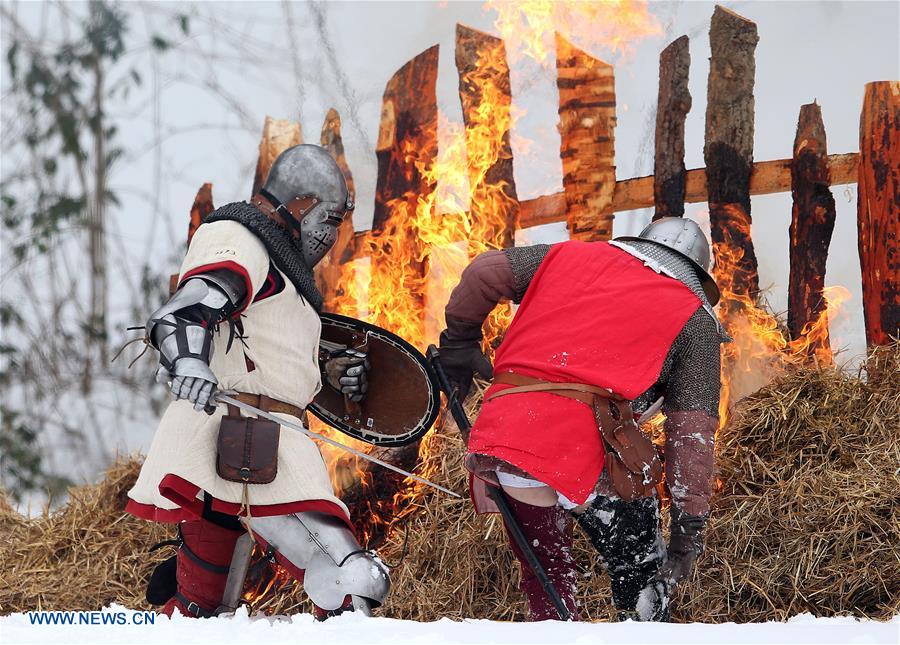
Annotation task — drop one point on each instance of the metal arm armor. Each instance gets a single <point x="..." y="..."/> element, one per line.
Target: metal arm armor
<point x="182" y="328"/>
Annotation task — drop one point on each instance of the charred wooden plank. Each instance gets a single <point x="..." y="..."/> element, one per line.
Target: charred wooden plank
<point x="407" y="138"/>
<point x="484" y="77"/>
<point x="277" y="136"/>
<point x="203" y="206"/>
<point x="878" y="210"/>
<point x="728" y="150"/>
<point x="406" y="150"/>
<point x="328" y="271"/>
<point x="672" y="107"/>
<point x="812" y="223"/>
<point x="587" y="120"/>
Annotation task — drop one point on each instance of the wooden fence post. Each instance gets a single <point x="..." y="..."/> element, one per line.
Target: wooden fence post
<point x="408" y="133"/>
<point x="587" y="120"/>
<point x="277" y="136"/>
<point x="812" y="222"/>
<point x="407" y="144"/>
<point x="728" y="149"/>
<point x="878" y="210"/>
<point x="328" y="271"/>
<point x="672" y="107"/>
<point x="407" y="141"/>
<point x="481" y="63"/>
<point x="203" y="206"/>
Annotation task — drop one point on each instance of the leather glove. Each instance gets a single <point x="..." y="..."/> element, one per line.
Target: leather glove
<point x="685" y="544"/>
<point x="193" y="380"/>
<point x="461" y="355"/>
<point x="347" y="372"/>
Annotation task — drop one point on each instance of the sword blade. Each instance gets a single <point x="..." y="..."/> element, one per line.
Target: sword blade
<point x="224" y="398"/>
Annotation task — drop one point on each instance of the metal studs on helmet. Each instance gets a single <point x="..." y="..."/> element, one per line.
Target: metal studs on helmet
<point x="309" y="191"/>
<point x="683" y="236"/>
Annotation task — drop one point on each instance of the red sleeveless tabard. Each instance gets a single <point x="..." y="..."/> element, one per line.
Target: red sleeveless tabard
<point x="592" y="314"/>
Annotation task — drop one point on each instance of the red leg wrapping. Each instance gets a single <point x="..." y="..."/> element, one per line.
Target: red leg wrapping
<point x="203" y="584"/>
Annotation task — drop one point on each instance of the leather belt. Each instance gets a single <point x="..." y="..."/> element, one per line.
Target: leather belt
<point x="632" y="462"/>
<point x="578" y="391"/>
<point x="266" y="404"/>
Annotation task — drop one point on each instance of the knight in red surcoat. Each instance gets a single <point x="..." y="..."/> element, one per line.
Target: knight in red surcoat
<point x="603" y="326"/>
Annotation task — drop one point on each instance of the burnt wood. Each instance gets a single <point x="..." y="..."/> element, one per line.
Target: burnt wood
<point x="203" y="206"/>
<point x="328" y="271"/>
<point x="482" y="67"/>
<point x="767" y="177"/>
<point x="728" y="150"/>
<point x="672" y="107"/>
<point x="277" y="136"/>
<point x="878" y="210"/>
<point x="407" y="137"/>
<point x="812" y="223"/>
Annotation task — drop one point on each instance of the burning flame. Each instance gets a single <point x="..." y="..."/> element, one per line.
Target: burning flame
<point x="416" y="260"/>
<point x="408" y="269"/>
<point x="761" y="348"/>
<point x="614" y="25"/>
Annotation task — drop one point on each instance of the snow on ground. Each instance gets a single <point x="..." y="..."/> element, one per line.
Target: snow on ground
<point x="354" y="629"/>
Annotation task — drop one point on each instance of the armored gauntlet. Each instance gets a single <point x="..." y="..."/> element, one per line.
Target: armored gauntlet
<point x="348" y="373"/>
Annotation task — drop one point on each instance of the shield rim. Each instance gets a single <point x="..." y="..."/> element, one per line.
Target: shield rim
<point x="395" y="441"/>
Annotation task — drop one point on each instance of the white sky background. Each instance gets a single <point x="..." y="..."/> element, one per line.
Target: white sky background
<point x="807" y="50"/>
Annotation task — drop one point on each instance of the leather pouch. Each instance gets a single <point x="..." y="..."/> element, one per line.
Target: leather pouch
<point x="632" y="460"/>
<point x="247" y="450"/>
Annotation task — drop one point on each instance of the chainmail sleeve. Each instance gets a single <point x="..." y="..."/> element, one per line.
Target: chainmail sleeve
<point x="691" y="406"/>
<point x="693" y="380"/>
<point x="525" y="261"/>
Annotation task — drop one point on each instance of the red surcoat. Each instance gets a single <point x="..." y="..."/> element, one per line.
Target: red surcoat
<point x="592" y="314"/>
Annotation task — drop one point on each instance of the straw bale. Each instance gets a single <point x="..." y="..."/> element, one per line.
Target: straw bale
<point x="806" y="518"/>
<point x="84" y="556"/>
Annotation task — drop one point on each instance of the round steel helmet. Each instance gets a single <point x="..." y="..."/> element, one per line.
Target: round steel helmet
<point x="307" y="181"/>
<point x="683" y="236"/>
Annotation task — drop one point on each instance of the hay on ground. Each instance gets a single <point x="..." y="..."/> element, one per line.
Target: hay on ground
<point x="806" y="519"/>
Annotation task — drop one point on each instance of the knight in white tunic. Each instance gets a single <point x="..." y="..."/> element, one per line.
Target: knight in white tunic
<point x="245" y="319"/>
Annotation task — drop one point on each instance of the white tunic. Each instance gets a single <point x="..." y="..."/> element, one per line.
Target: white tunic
<point x="281" y="341"/>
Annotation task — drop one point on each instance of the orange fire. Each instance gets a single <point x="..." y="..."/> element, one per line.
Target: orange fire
<point x="612" y="25"/>
<point x="407" y="270"/>
<point x="415" y="261"/>
<point x="761" y="348"/>
<point x="410" y="267"/>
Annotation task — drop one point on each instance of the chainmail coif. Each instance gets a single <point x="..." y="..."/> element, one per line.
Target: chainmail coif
<point x="283" y="251"/>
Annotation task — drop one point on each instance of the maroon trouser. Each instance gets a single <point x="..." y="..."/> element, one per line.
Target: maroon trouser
<point x="625" y="534"/>
<point x="548" y="531"/>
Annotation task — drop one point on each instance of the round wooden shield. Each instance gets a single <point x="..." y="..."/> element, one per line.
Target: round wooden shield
<point x="403" y="399"/>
